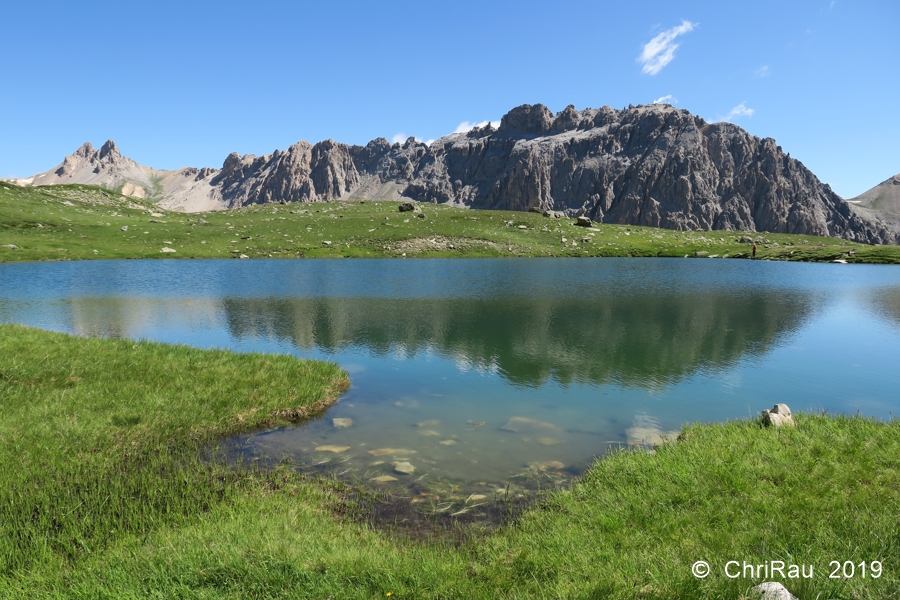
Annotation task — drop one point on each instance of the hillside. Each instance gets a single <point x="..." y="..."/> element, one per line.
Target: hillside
<point x="68" y="222"/>
<point x="883" y="199"/>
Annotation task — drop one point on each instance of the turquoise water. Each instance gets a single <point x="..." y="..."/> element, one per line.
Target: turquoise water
<point x="487" y="374"/>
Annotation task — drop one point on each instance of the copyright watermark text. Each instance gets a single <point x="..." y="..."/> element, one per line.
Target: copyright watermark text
<point x="771" y="569"/>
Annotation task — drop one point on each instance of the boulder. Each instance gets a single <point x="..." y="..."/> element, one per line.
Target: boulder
<point x="584" y="222"/>
<point x="554" y="214"/>
<point x="407" y="207"/>
<point x="778" y="415"/>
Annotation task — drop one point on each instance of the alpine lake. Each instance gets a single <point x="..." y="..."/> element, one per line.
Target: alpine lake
<point x="480" y="377"/>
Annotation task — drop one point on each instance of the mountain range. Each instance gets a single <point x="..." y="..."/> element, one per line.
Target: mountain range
<point x="652" y="165"/>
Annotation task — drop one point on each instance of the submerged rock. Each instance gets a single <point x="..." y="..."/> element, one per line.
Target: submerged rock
<point x="546" y="441"/>
<point x="386" y="451"/>
<point x="476" y="423"/>
<point x="447" y="442"/>
<point x="525" y="425"/>
<point x="335" y="449"/>
<point x="383" y="479"/>
<point x="646" y="431"/>
<point x="404" y="467"/>
<point x="342" y="423"/>
<point x="540" y="467"/>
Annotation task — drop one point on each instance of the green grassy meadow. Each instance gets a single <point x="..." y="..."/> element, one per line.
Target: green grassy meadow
<point x="74" y="222"/>
<point x="107" y="492"/>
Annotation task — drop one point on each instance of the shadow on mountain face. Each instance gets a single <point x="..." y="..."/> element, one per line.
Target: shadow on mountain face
<point x="638" y="340"/>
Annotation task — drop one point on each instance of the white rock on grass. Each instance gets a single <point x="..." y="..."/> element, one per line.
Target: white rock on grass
<point x="771" y="590"/>
<point x="779" y="415"/>
<point x="168" y="250"/>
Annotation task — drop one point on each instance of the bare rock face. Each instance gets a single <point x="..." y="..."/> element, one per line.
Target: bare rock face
<point x="647" y="165"/>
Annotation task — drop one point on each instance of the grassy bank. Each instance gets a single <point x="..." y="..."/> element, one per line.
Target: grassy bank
<point x="83" y="222"/>
<point x="103" y="495"/>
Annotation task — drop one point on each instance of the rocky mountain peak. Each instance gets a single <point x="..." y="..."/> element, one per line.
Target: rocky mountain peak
<point x="528" y="119"/>
<point x="109" y="152"/>
<point x="84" y="151"/>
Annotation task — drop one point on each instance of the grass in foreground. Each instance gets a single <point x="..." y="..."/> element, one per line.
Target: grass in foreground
<point x="103" y="495"/>
<point x="82" y="222"/>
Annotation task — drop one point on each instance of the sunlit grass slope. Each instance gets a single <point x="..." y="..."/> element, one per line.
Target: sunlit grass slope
<point x="79" y="222"/>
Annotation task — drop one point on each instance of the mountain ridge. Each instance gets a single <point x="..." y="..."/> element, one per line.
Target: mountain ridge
<point x="650" y="165"/>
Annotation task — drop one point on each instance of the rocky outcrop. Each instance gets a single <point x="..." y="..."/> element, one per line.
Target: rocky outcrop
<point x="646" y="165"/>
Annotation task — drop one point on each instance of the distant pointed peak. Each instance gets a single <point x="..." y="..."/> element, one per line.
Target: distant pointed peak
<point x="85" y="150"/>
<point x="109" y="149"/>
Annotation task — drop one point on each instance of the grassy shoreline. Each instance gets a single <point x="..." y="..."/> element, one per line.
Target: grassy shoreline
<point x="105" y="496"/>
<point x="77" y="222"/>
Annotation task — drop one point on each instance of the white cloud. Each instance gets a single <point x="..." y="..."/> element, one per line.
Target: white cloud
<point x="763" y="71"/>
<point x="667" y="99"/>
<point x="401" y="138"/>
<point x="466" y="126"/>
<point x="660" y="51"/>
<point x="740" y="110"/>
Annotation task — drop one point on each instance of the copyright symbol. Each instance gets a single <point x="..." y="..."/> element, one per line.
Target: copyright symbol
<point x="700" y="569"/>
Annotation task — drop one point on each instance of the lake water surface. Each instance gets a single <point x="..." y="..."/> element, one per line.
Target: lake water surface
<point x="488" y="374"/>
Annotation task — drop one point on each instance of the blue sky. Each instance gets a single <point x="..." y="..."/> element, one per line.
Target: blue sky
<point x="185" y="83"/>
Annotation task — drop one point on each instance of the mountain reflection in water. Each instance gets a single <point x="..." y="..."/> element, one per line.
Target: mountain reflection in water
<point x="634" y="340"/>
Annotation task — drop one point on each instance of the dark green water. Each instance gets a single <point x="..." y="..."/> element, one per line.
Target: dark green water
<point x="483" y="374"/>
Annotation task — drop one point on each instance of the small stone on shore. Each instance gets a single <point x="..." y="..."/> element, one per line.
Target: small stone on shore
<point x="778" y="415"/>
